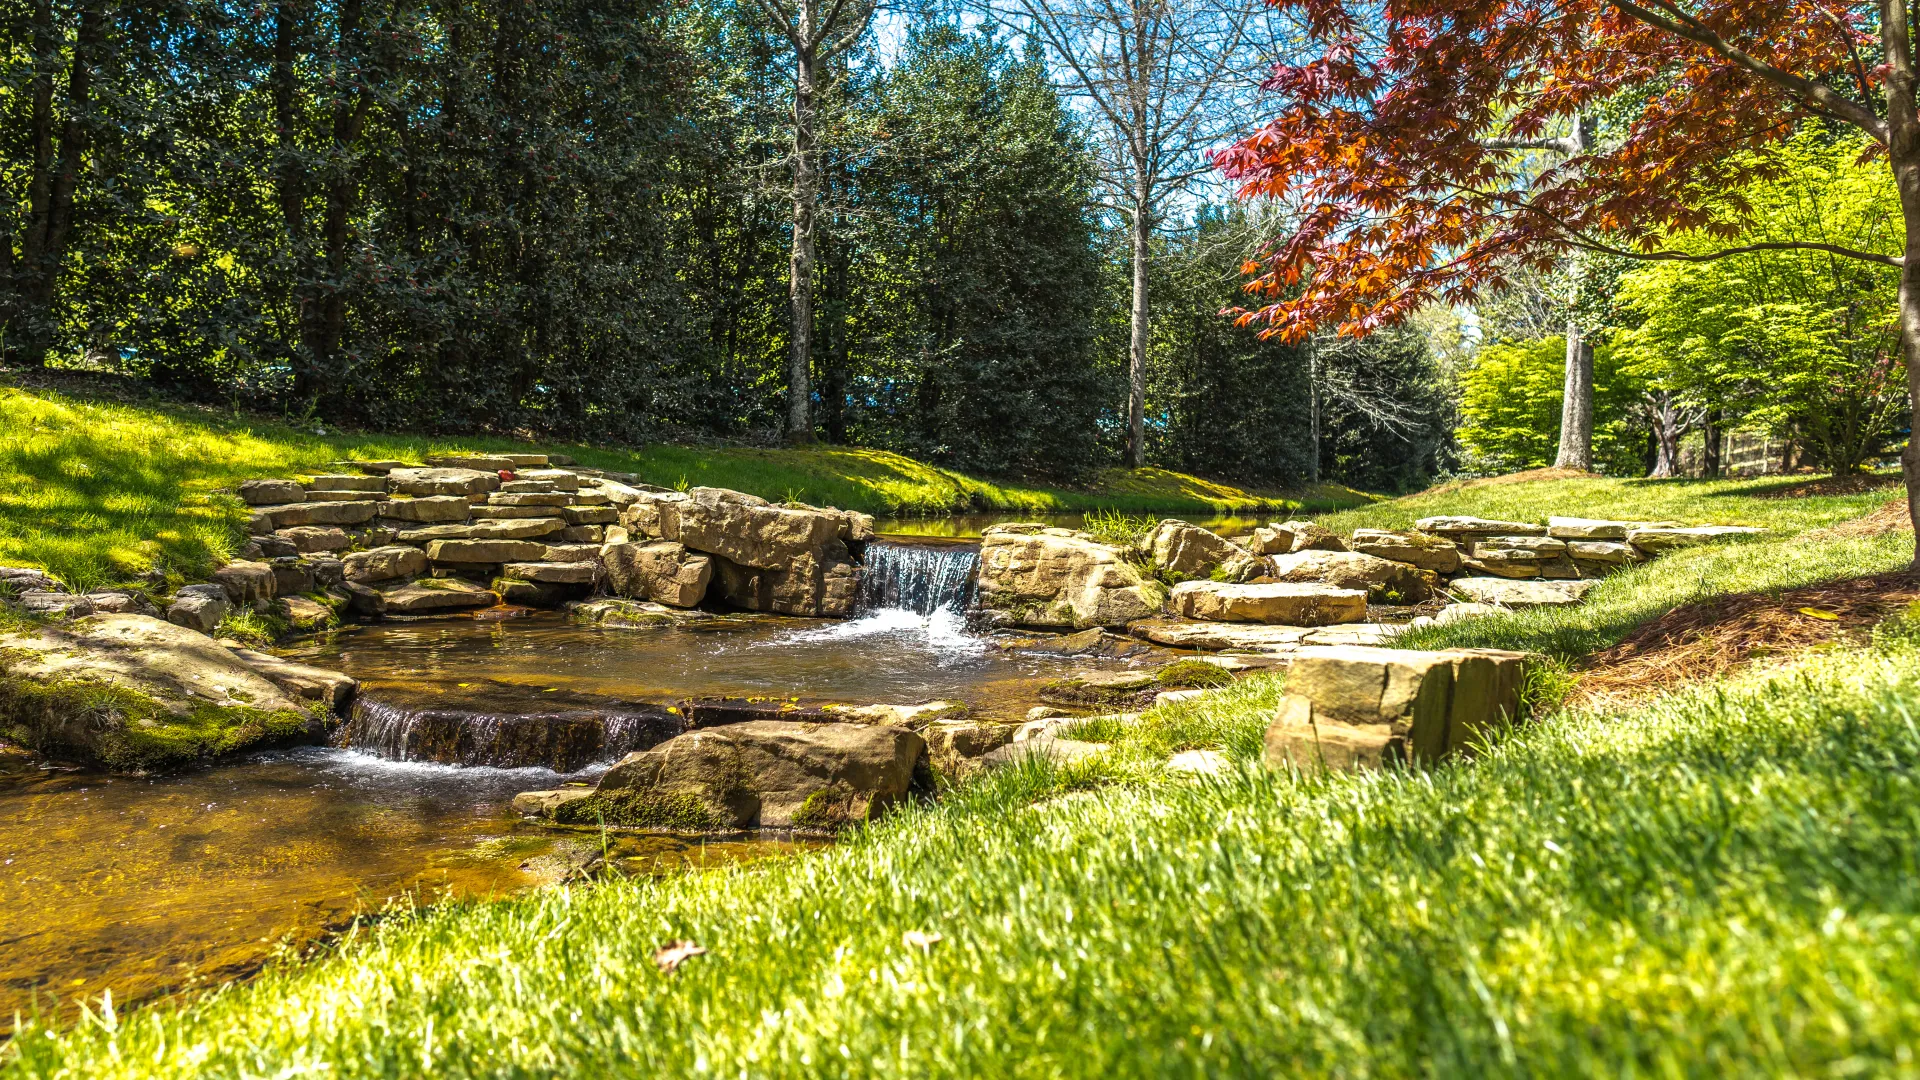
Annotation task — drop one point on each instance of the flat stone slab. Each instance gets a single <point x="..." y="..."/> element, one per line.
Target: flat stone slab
<point x="1576" y="528"/>
<point x="1655" y="540"/>
<point x="1477" y="526"/>
<point x="445" y="594"/>
<point x="551" y="573"/>
<point x="1216" y="637"/>
<point x="1285" y="603"/>
<point x="1198" y="763"/>
<point x="1512" y="593"/>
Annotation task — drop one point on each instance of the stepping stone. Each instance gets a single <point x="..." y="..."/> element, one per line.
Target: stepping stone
<point x="1573" y="528"/>
<point x="1475" y="526"/>
<point x="1215" y="637"/>
<point x="444" y="594"/>
<point x="347" y="483"/>
<point x="1656" y="540"/>
<point x="1509" y="593"/>
<point x="1284" y="603"/>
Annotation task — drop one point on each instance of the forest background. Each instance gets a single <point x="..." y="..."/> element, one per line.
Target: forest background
<point x="572" y="219"/>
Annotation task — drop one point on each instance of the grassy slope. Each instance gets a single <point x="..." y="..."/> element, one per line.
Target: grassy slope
<point x="1723" y="882"/>
<point x="100" y="491"/>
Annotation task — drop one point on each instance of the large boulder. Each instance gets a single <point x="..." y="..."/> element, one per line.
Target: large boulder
<point x="385" y="563"/>
<point x="1383" y="580"/>
<point x="134" y="692"/>
<point x="653" y="514"/>
<point x="760" y="773"/>
<point x="1434" y="553"/>
<point x="247" y="583"/>
<point x="1354" y="706"/>
<point x="1290" y="536"/>
<point x="198" y="608"/>
<point x="661" y="570"/>
<point x="808" y="586"/>
<point x="1187" y="550"/>
<point x="751" y="532"/>
<point x="1286" y="604"/>
<point x="1040" y="576"/>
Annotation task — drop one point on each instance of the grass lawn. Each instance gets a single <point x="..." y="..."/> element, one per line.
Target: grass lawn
<point x="99" y="491"/>
<point x="1720" y="881"/>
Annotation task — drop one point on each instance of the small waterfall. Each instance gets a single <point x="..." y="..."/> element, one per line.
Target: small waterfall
<point x="564" y="741"/>
<point x="921" y="578"/>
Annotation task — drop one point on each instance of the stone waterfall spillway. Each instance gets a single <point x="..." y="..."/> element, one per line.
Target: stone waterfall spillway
<point x="921" y="578"/>
<point x="562" y="740"/>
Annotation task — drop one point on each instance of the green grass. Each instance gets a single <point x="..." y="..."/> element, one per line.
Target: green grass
<point x="1722" y="882"/>
<point x="1720" y="502"/>
<point x="99" y="492"/>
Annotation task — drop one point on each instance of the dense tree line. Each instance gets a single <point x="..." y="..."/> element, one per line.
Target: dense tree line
<point x="574" y="219"/>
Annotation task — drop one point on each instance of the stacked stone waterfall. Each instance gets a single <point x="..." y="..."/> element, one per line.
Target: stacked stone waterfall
<point x="471" y="530"/>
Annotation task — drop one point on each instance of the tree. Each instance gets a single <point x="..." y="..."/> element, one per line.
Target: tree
<point x="1800" y="344"/>
<point x="1388" y="141"/>
<point x="1511" y="407"/>
<point x="816" y="37"/>
<point x="1162" y="81"/>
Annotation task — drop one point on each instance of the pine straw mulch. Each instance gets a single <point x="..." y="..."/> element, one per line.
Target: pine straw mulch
<point x="1891" y="517"/>
<point x="1830" y="485"/>
<point x="1714" y="638"/>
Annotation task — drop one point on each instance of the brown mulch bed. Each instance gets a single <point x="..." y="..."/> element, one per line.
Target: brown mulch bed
<point x="1714" y="638"/>
<point x="1891" y="517"/>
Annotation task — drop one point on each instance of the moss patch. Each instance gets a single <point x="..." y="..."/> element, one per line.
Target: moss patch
<point x="824" y="809"/>
<point x="1195" y="673"/>
<point x="642" y="809"/>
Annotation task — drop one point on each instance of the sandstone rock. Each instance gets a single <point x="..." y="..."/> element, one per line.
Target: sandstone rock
<point x="328" y="689"/>
<point x="21" y="578"/>
<point x="957" y="747"/>
<point x="590" y="498"/>
<point x="1349" y="707"/>
<point x="51" y="604"/>
<point x="312" y="538"/>
<point x="1291" y="536"/>
<point x="435" y="595"/>
<point x="455" y="481"/>
<point x="916" y="717"/>
<point x="271" y="492"/>
<point x="1517" y="556"/>
<point x="1051" y="749"/>
<point x="343" y="482"/>
<point x="428" y="508"/>
<point x="1434" y="553"/>
<point x="590" y="515"/>
<point x="634" y="614"/>
<point x="353" y="512"/>
<point x="573" y="553"/>
<point x="751" y="532"/>
<point x="303" y="614"/>
<point x="119" y="602"/>
<point x="765" y="773"/>
<point x="1382" y="579"/>
<point x="1600" y="551"/>
<point x="513" y="487"/>
<point x="1187" y="550"/>
<point x="512" y="513"/>
<point x="1198" y="763"/>
<point x="538" y="594"/>
<point x="654" y="514"/>
<point x="661" y="570"/>
<point x="1284" y="603"/>
<point x="584" y="534"/>
<point x="1244" y="637"/>
<point x="553" y="573"/>
<point x="485" y="551"/>
<point x="487" y="463"/>
<point x="1041" y="576"/>
<point x="345" y="496"/>
<point x="197" y="612"/>
<point x="272" y="547"/>
<point x="1470" y="528"/>
<point x="561" y="479"/>
<point x="327" y="571"/>
<point x="545" y="803"/>
<point x="1656" y="540"/>
<point x="1521" y="594"/>
<point x="385" y="563"/>
<point x="807" y="587"/>
<point x="246" y="583"/>
<point x="1573" y="528"/>
<point x="530" y="498"/>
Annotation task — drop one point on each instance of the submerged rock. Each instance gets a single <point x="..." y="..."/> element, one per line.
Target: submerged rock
<point x="762" y="773"/>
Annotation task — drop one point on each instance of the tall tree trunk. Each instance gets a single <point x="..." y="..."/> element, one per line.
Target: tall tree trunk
<point x="56" y="171"/>
<point x="1666" y="435"/>
<point x="1710" y="452"/>
<point x="800" y="280"/>
<point x="1576" y="408"/>
<point x="1313" y="413"/>
<point x="1137" y="338"/>
<point x="1903" y="153"/>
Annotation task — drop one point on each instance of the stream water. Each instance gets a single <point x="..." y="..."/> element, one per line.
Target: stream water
<point x="152" y="885"/>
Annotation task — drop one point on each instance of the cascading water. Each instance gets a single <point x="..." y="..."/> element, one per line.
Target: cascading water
<point x="921" y="578"/>
<point x="560" y="740"/>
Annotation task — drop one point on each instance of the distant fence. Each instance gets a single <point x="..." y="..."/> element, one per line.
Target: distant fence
<point x="1742" y="453"/>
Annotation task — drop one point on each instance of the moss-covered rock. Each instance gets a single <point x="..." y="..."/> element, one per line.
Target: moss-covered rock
<point x="1193" y="673"/>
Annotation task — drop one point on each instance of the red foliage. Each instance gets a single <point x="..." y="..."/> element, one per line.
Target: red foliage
<point x="1382" y="141"/>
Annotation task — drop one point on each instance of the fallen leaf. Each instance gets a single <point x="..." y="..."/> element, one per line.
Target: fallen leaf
<point x="674" y="953"/>
<point x="920" y="939"/>
<point x="1819" y="614"/>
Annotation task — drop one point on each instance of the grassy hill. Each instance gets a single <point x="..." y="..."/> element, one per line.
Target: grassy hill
<point x="99" y="490"/>
<point x="1711" y="880"/>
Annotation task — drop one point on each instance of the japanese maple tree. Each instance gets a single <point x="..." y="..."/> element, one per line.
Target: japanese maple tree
<point x="1401" y="143"/>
